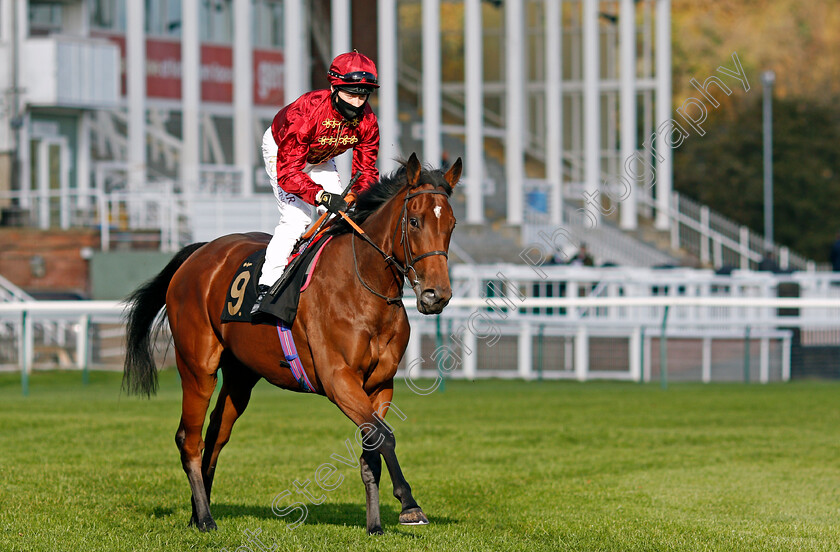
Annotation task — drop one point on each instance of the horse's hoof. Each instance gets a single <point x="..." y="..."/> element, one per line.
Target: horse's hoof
<point x="204" y="526"/>
<point x="376" y="531"/>
<point x="414" y="516"/>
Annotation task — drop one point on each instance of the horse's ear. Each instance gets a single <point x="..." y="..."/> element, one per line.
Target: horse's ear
<point x="412" y="170"/>
<point x="453" y="175"/>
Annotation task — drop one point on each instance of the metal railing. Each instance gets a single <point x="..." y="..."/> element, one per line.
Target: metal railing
<point x="159" y="212"/>
<point x="718" y="241"/>
<point x="159" y="208"/>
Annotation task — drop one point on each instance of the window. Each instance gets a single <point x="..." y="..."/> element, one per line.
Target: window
<point x="267" y="24"/>
<point x="173" y="17"/>
<point x="108" y="15"/>
<point x="44" y="18"/>
<point x="163" y="18"/>
<point x="216" y="21"/>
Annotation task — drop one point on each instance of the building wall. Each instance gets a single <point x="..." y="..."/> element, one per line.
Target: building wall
<point x="52" y="261"/>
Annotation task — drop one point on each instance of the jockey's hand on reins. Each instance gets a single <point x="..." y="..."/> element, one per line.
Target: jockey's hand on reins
<point x="350" y="198"/>
<point x="334" y="203"/>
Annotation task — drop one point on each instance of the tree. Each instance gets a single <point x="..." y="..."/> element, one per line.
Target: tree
<point x="798" y="40"/>
<point x="724" y="169"/>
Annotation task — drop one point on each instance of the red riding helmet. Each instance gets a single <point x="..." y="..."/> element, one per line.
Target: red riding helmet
<point x="353" y="72"/>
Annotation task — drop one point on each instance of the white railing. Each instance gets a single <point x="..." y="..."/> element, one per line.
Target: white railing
<point x="26" y="318"/>
<point x="158" y="211"/>
<point x="718" y="241"/>
<point x="213" y="216"/>
<point x="220" y="180"/>
<point x="10" y="292"/>
<point x="51" y="333"/>
<point x="516" y="321"/>
<point x="510" y="312"/>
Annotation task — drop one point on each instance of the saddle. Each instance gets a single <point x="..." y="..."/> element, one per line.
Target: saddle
<point x="282" y="301"/>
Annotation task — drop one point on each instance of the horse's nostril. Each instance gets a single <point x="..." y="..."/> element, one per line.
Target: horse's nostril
<point x="429" y="297"/>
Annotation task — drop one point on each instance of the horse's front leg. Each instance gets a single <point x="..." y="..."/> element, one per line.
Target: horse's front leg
<point x="346" y="391"/>
<point x="411" y="513"/>
<point x="370" y="465"/>
<point x="381" y="439"/>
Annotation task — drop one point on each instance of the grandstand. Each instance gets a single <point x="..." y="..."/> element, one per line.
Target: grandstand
<point x="144" y="125"/>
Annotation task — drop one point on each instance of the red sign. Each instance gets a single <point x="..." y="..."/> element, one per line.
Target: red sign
<point x="163" y="72"/>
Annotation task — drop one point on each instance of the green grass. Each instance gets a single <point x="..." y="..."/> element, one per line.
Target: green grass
<point x="496" y="466"/>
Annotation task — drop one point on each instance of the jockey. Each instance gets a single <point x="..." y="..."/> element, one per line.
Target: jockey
<point x="299" y="147"/>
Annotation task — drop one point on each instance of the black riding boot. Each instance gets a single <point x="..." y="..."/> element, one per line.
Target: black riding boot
<point x="262" y="291"/>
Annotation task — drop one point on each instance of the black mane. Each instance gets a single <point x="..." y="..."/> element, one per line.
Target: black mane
<point x="388" y="186"/>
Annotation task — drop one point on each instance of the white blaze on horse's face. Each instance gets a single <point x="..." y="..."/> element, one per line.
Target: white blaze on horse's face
<point x="437" y="211"/>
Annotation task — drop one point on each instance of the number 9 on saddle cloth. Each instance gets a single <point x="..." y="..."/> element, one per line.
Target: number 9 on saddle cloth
<point x="281" y="306"/>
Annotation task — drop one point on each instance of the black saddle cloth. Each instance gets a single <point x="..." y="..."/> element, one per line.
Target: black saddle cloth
<point x="282" y="305"/>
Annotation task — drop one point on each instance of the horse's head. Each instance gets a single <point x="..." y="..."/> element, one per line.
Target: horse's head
<point x="425" y="230"/>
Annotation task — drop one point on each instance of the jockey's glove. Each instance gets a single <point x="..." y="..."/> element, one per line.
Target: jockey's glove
<point x="332" y="202"/>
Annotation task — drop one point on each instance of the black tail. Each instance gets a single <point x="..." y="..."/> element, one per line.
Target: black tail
<point x="143" y="306"/>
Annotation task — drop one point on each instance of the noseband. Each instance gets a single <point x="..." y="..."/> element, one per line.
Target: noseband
<point x="407" y="254"/>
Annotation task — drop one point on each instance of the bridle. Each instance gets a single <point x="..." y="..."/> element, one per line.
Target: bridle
<point x="407" y="253"/>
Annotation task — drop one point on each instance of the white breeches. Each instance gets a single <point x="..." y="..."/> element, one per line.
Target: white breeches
<point x="295" y="213"/>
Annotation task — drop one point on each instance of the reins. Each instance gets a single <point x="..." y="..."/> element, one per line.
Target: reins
<point x="390" y="259"/>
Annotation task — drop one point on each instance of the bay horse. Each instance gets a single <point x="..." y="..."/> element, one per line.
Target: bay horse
<point x="351" y="328"/>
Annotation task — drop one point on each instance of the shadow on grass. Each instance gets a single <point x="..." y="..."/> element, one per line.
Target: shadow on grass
<point x="347" y="513"/>
<point x="162" y="511"/>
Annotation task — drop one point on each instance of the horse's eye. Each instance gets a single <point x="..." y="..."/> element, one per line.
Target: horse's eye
<point x="413" y="222"/>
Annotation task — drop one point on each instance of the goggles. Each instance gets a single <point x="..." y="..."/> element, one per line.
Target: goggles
<point x="355" y="77"/>
<point x="359" y="90"/>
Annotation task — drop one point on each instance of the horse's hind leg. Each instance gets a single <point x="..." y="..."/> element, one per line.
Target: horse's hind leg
<point x="197" y="386"/>
<point x="237" y="383"/>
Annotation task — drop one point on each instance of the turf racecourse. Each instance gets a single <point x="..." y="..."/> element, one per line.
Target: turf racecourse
<point x="496" y="465"/>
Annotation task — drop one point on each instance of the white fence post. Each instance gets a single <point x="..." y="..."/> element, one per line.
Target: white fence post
<point x="82" y="344"/>
<point x="745" y="248"/>
<point x="786" y="342"/>
<point x="675" y="221"/>
<point x="764" y="366"/>
<point x="412" y="351"/>
<point x="784" y="257"/>
<point x="582" y="354"/>
<point x="470" y="354"/>
<point x="525" y="351"/>
<point x="707" y="360"/>
<point x="635" y="352"/>
<point x="704" y="235"/>
<point x="104" y="225"/>
<point x="27" y="343"/>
